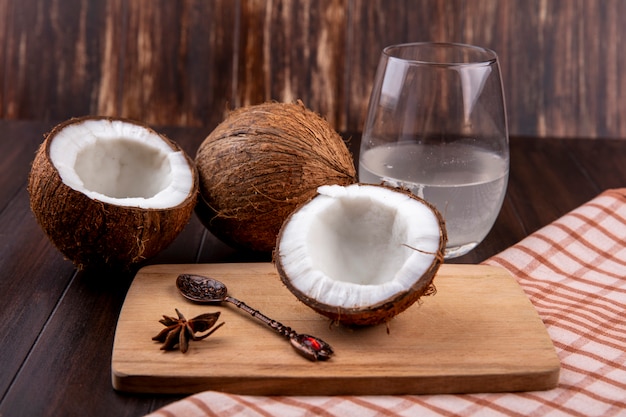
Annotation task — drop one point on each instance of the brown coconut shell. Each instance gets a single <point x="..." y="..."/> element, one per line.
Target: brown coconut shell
<point x="261" y="163"/>
<point x="386" y="310"/>
<point x="97" y="234"/>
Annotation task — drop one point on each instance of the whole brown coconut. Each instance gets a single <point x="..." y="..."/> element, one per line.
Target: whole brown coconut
<point x="261" y="163"/>
<point x="361" y="254"/>
<point x="111" y="192"/>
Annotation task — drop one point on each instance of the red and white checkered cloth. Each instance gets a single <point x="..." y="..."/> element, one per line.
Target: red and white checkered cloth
<point x="574" y="273"/>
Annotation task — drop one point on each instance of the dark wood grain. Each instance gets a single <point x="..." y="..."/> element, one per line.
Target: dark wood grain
<point x="31" y="290"/>
<point x="602" y="163"/>
<point x="186" y="62"/>
<point x="290" y="50"/>
<point x="177" y="61"/>
<point x="54" y="60"/>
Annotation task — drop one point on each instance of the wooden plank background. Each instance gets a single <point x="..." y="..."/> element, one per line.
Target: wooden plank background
<point x="185" y="62"/>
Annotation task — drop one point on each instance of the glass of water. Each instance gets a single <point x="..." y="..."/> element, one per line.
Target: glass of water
<point x="436" y="125"/>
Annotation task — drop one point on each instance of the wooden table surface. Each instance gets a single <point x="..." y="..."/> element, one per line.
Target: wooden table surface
<point x="57" y="324"/>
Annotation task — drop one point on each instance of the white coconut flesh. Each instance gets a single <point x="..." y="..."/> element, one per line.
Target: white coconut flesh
<point x="121" y="163"/>
<point x="357" y="246"/>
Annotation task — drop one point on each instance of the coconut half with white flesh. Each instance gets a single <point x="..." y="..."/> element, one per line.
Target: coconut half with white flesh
<point x="111" y="192"/>
<point x="361" y="254"/>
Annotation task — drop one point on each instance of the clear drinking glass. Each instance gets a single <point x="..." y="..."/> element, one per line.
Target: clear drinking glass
<point x="436" y="125"/>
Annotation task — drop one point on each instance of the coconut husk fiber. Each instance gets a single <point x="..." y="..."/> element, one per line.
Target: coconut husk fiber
<point x="260" y="164"/>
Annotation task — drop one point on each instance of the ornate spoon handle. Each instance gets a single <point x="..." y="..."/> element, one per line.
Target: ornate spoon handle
<point x="311" y="347"/>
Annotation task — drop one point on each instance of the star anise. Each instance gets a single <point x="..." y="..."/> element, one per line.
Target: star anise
<point x="179" y="331"/>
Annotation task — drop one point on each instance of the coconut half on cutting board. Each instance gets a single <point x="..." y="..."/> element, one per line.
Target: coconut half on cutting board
<point x="111" y="192"/>
<point x="361" y="254"/>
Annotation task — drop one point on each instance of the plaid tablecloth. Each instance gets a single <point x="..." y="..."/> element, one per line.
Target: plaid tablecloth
<point x="574" y="273"/>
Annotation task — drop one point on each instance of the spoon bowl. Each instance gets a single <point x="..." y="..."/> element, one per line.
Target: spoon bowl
<point x="201" y="289"/>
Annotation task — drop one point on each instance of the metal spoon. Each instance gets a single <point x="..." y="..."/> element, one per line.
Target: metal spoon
<point x="209" y="290"/>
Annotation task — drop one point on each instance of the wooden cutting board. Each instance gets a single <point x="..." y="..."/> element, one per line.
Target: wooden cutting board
<point x="478" y="333"/>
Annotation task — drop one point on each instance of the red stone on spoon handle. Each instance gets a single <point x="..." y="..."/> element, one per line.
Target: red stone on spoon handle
<point x="311" y="347"/>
